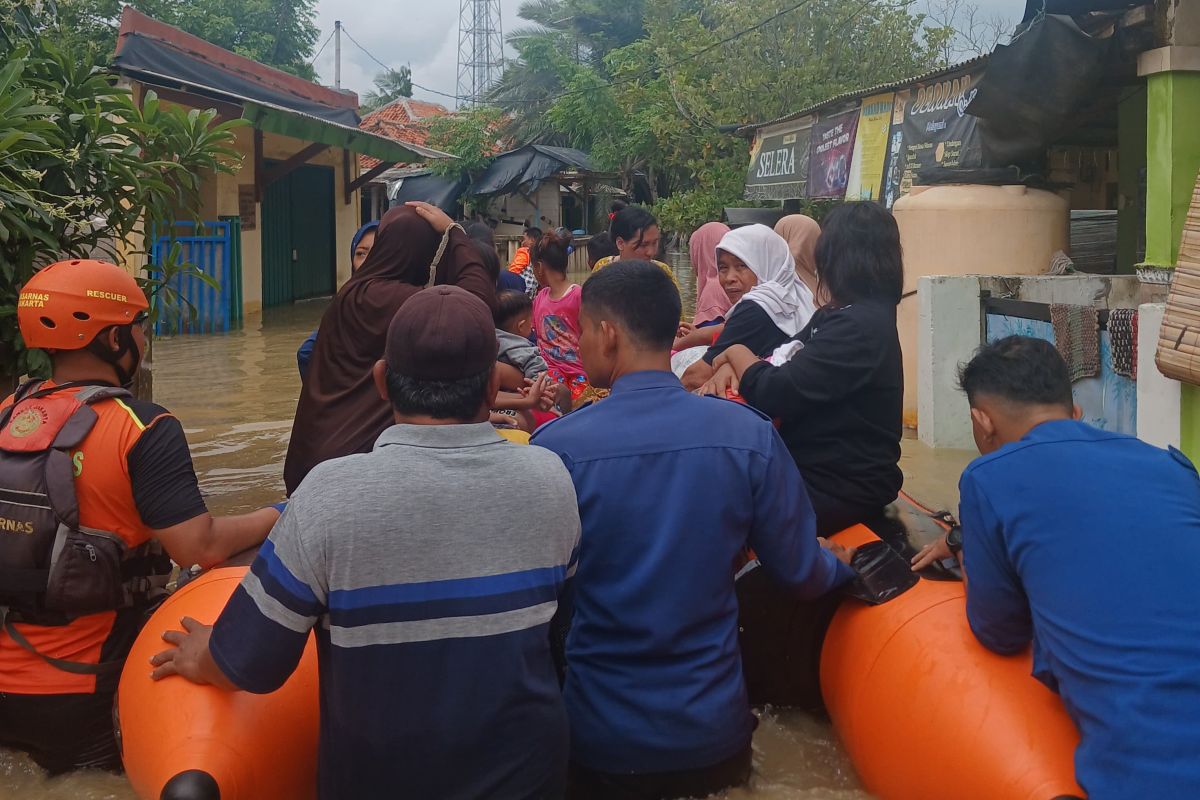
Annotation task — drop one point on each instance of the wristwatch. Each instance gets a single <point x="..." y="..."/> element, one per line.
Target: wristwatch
<point x="954" y="540"/>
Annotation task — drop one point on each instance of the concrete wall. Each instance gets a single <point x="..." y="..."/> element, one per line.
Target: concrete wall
<point x="1158" y="397"/>
<point x="219" y="197"/>
<point x="544" y="212"/>
<point x="951" y="328"/>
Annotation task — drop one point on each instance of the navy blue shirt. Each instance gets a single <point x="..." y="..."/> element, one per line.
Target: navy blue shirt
<point x="304" y="354"/>
<point x="1087" y="543"/>
<point x="671" y="488"/>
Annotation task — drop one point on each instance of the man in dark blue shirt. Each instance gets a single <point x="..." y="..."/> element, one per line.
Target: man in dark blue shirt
<point x="1087" y="544"/>
<point x="672" y="488"/>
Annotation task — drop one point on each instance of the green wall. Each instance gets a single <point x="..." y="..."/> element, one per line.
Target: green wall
<point x="1172" y="163"/>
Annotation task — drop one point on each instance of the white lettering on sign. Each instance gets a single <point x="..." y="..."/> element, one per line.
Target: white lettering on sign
<point x="956" y="94"/>
<point x="775" y="163"/>
<point x="834" y="137"/>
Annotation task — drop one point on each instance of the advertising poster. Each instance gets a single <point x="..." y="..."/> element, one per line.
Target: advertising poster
<point x="870" y="148"/>
<point x="832" y="147"/>
<point x="895" y="150"/>
<point x="779" y="165"/>
<point x="938" y="131"/>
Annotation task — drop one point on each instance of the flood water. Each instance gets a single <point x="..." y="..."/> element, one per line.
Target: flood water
<point x="236" y="395"/>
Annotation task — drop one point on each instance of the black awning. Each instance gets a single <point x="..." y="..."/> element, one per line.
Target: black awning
<point x="1035" y="88"/>
<point x="429" y="188"/>
<point x="142" y="56"/>
<point x="739" y="217"/>
<point x="527" y="166"/>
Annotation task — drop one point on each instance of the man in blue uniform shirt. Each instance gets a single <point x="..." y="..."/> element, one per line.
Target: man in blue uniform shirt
<point x="672" y="488"/>
<point x="1087" y="544"/>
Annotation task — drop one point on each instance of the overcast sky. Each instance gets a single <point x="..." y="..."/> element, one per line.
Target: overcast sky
<point x="424" y="35"/>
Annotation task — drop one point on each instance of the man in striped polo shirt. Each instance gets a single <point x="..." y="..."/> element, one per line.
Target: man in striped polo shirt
<point x="430" y="569"/>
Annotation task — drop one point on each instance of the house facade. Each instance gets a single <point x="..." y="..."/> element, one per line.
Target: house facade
<point x="279" y="230"/>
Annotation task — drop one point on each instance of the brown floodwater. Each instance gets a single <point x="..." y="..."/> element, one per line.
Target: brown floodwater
<point x="236" y="395"/>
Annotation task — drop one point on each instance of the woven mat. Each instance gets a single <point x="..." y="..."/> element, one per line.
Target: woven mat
<point x="1178" y="353"/>
<point x="1077" y="337"/>
<point x="1122" y="334"/>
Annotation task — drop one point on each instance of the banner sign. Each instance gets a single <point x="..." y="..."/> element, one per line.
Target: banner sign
<point x="934" y="129"/>
<point x="832" y="146"/>
<point x="870" y="148"/>
<point x="779" y="165"/>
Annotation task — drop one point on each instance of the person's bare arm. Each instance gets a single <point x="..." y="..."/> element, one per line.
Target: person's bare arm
<point x="739" y="358"/>
<point x="207" y="540"/>
<point x="696" y="375"/>
<point x="698" y="337"/>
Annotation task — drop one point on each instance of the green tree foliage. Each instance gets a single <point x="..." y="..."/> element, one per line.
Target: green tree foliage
<point x="84" y="169"/>
<point x="389" y="87"/>
<point x="472" y="136"/>
<point x="655" y="97"/>
<point x="280" y="33"/>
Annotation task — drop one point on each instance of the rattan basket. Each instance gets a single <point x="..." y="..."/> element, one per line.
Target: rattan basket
<point x="1178" y="353"/>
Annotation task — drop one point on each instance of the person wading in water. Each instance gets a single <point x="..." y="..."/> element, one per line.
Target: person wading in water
<point x="121" y="484"/>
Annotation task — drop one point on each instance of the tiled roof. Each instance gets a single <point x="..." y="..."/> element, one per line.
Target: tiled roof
<point x="404" y="120"/>
<point x="407" y="110"/>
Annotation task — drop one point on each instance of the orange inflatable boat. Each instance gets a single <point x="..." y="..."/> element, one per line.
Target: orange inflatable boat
<point x="926" y="712"/>
<point x="180" y="741"/>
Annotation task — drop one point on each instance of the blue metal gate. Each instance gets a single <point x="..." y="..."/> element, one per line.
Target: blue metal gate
<point x="214" y="248"/>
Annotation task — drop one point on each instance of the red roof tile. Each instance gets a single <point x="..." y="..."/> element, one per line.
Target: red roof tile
<point x="407" y="110"/>
<point x="404" y="120"/>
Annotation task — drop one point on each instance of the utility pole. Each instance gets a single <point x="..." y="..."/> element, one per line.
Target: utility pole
<point x="337" y="54"/>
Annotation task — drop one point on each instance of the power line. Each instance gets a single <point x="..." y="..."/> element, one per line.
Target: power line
<point x="322" y="50"/>
<point x="371" y="56"/>
<point x="631" y="79"/>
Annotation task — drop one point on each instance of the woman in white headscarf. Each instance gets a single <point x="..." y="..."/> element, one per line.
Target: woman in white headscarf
<point x="770" y="303"/>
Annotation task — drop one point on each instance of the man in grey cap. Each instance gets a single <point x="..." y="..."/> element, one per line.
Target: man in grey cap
<point x="430" y="569"/>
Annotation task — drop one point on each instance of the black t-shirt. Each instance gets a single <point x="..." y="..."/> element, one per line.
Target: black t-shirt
<point x="165" y="489"/>
<point x="748" y="325"/>
<point x="840" y="404"/>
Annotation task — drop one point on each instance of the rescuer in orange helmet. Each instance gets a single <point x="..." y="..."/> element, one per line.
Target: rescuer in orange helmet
<point x="94" y="484"/>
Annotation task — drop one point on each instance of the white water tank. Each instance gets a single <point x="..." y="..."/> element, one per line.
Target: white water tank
<point x="971" y="230"/>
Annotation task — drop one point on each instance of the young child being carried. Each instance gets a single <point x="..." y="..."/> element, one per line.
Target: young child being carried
<point x="514" y="324"/>
<point x="556" y="315"/>
<point x="525" y="392"/>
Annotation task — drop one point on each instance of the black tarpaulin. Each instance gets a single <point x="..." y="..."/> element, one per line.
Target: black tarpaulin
<point x="429" y="188"/>
<point x="527" y="166"/>
<point x="144" y="56"/>
<point x="1035" y="87"/>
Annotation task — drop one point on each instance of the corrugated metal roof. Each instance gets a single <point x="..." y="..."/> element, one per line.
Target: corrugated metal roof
<point x="883" y="87"/>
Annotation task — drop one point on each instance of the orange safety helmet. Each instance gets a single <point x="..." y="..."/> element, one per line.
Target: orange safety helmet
<point x="65" y="305"/>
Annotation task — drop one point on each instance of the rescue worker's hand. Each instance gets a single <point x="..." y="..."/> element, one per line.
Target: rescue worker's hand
<point x="438" y="220"/>
<point x="188" y="655"/>
<point x="938" y="551"/>
<point x="842" y="554"/>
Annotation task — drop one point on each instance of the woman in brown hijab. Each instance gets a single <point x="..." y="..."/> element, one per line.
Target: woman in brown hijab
<point x="340" y="412"/>
<point x="801" y="233"/>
